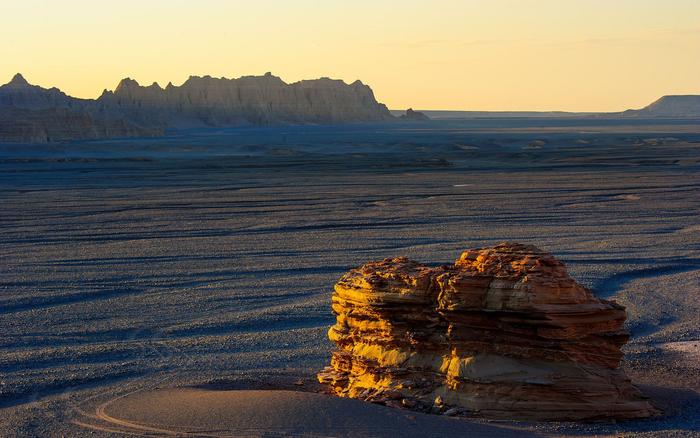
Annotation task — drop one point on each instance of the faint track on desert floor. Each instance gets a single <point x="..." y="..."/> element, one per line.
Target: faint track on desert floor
<point x="97" y="420"/>
<point x="613" y="284"/>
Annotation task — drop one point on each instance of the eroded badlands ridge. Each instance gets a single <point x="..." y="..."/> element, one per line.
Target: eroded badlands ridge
<point x="29" y="113"/>
<point x="503" y="333"/>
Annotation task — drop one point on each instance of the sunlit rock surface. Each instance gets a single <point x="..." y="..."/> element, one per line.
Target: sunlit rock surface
<point x="503" y="333"/>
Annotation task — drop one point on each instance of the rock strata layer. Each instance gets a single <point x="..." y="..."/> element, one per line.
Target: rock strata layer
<point x="502" y="333"/>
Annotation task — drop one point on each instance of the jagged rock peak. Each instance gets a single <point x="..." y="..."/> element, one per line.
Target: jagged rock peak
<point x="126" y="84"/>
<point x="18" y="81"/>
<point x="504" y="332"/>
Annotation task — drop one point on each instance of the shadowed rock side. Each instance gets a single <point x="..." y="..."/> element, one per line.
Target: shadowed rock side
<point x="29" y="113"/>
<point x="63" y="124"/>
<point x="503" y="333"/>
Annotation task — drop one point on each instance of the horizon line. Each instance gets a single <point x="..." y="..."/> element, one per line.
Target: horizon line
<point x="270" y="74"/>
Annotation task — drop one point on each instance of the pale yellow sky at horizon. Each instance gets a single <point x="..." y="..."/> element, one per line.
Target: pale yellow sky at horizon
<point x="573" y="55"/>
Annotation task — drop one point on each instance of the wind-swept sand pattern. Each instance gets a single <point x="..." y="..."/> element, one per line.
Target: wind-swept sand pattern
<point x="210" y="258"/>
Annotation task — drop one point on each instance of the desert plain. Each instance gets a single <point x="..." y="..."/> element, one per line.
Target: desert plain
<point x="181" y="285"/>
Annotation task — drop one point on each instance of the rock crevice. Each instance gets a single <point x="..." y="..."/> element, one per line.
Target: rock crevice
<point x="503" y="333"/>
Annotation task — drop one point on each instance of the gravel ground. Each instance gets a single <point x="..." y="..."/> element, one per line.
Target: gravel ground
<point x="210" y="258"/>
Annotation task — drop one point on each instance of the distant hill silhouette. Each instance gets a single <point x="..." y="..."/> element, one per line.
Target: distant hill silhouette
<point x="29" y="113"/>
<point x="32" y="114"/>
<point x="669" y="107"/>
<point x="414" y="116"/>
<point x="687" y="106"/>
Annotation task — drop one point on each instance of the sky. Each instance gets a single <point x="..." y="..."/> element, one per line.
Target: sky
<point x="573" y="55"/>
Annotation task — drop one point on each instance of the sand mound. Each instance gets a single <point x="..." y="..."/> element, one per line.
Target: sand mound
<point x="254" y="413"/>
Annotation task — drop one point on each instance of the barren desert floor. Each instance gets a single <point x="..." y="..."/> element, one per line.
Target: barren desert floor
<point x="204" y="261"/>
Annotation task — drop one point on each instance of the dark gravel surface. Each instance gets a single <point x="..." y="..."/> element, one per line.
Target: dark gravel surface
<point x="209" y="258"/>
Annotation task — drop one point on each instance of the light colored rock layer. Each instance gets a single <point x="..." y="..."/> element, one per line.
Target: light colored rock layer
<point x="504" y="333"/>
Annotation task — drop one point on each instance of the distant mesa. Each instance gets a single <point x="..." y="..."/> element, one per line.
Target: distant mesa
<point x="30" y="113"/>
<point x="667" y="107"/>
<point x="412" y="115"/>
<point x="685" y="106"/>
<point x="504" y="332"/>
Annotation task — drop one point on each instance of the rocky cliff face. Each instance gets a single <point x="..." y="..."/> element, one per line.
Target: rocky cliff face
<point x="503" y="333"/>
<point x="45" y="125"/>
<point x="32" y="113"/>
<point x="264" y="99"/>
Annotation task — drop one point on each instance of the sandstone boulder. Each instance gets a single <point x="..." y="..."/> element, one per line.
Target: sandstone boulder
<point x="502" y="333"/>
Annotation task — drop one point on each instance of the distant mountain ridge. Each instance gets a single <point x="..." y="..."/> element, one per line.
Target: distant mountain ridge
<point x="21" y="94"/>
<point x="29" y="113"/>
<point x="33" y="114"/>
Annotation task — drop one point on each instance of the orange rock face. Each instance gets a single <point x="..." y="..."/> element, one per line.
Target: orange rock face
<point x="503" y="333"/>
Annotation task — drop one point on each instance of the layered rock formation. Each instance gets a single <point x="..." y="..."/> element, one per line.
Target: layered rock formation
<point x="32" y="113"/>
<point x="250" y="99"/>
<point x="29" y="113"/>
<point x="19" y="125"/>
<point x="503" y="333"/>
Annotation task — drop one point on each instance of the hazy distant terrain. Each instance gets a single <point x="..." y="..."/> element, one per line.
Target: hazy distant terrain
<point x="667" y="107"/>
<point x="687" y="106"/>
<point x="209" y="256"/>
<point x="33" y="114"/>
